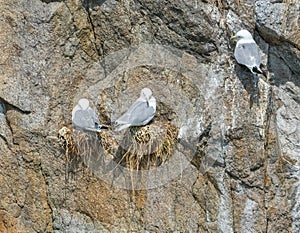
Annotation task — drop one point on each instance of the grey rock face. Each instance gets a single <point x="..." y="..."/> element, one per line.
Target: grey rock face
<point x="2" y="108"/>
<point x="278" y="21"/>
<point x="65" y="221"/>
<point x="237" y="157"/>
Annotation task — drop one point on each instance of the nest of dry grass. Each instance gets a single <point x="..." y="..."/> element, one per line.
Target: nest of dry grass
<point x="108" y="142"/>
<point x="140" y="148"/>
<point x="149" y="146"/>
<point x="66" y="140"/>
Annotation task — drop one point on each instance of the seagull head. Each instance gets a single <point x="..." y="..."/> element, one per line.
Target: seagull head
<point x="83" y="103"/>
<point x="146" y="93"/>
<point x="242" y="34"/>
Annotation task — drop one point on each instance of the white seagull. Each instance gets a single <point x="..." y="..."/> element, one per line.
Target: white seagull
<point x="84" y="117"/>
<point x="140" y="112"/>
<point x="246" y="51"/>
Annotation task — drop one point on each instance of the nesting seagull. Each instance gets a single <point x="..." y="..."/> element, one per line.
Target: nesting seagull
<point x="84" y="117"/>
<point x="246" y="51"/>
<point x="140" y="112"/>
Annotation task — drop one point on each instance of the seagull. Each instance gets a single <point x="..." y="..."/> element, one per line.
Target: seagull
<point x="246" y="51"/>
<point x="140" y="112"/>
<point x="84" y="117"/>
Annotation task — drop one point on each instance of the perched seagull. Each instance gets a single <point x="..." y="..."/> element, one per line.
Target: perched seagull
<point x="140" y="112"/>
<point x="246" y="51"/>
<point x="84" y="117"/>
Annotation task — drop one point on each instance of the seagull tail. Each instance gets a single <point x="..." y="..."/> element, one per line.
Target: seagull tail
<point x="256" y="69"/>
<point x="105" y="127"/>
<point x="121" y="127"/>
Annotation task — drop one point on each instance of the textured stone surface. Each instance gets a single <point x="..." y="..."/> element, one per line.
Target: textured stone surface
<point x="237" y="166"/>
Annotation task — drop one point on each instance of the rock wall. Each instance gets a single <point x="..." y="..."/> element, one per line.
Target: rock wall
<point x="236" y="165"/>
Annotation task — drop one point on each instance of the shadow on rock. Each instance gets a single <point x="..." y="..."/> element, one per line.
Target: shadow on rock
<point x="92" y="3"/>
<point x="250" y="83"/>
<point x="285" y="64"/>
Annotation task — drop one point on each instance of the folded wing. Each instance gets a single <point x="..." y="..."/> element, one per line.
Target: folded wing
<point x="248" y="54"/>
<point x="140" y="113"/>
<point x="86" y="120"/>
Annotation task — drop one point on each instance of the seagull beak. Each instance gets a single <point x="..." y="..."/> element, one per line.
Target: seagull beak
<point x="147" y="100"/>
<point x="233" y="37"/>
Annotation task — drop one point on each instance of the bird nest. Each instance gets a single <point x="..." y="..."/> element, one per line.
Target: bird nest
<point x="148" y="146"/>
<point x="66" y="140"/>
<point x="140" y="147"/>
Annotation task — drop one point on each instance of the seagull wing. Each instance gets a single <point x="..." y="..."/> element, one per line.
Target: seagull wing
<point x="86" y="120"/>
<point x="140" y="113"/>
<point x="75" y="109"/>
<point x="247" y="54"/>
<point x="81" y="119"/>
<point x="94" y="118"/>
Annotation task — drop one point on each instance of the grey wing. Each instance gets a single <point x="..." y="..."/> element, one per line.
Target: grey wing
<point x="82" y="119"/>
<point x="247" y="54"/>
<point x="138" y="114"/>
<point x="94" y="118"/>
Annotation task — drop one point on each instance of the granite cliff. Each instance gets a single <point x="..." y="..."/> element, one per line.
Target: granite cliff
<point x="240" y="170"/>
